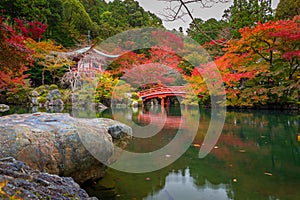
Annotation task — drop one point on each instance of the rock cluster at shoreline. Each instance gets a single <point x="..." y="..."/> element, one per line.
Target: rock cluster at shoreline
<point x="19" y="181"/>
<point x="53" y="143"/>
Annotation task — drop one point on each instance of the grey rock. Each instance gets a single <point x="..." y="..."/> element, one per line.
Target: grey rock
<point x="4" y="107"/>
<point x="19" y="180"/>
<point x="101" y="107"/>
<point x="58" y="102"/>
<point x="54" y="98"/>
<point x="53" y="94"/>
<point x="34" y="93"/>
<point x="116" y="130"/>
<point x="34" y="101"/>
<point x="60" y="144"/>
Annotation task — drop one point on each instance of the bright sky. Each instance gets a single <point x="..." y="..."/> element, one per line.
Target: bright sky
<point x="157" y="7"/>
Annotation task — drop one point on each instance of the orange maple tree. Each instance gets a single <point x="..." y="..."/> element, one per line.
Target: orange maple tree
<point x="262" y="67"/>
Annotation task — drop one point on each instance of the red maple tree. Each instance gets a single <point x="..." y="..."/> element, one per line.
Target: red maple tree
<point x="14" y="58"/>
<point x="34" y="29"/>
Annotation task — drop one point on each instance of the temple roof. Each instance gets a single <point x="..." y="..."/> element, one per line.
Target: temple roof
<point x="91" y="48"/>
<point x="85" y="51"/>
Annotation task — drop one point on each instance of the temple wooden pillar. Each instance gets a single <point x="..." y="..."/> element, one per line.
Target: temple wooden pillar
<point x="162" y="102"/>
<point x="167" y="101"/>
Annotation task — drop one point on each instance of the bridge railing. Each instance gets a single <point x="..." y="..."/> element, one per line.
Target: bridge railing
<point x="171" y="89"/>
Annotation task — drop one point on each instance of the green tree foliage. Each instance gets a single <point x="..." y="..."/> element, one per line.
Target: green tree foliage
<point x="105" y="87"/>
<point x="69" y="20"/>
<point x="54" y="21"/>
<point x="247" y="13"/>
<point x="49" y="12"/>
<point x="95" y="8"/>
<point x="46" y="11"/>
<point x="212" y="29"/>
<point x="76" y="16"/>
<point x="48" y="67"/>
<point x="124" y="15"/>
<point x="33" y="10"/>
<point x="287" y="9"/>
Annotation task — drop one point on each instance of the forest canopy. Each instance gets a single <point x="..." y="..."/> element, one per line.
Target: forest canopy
<point x="68" y="21"/>
<point x="255" y="47"/>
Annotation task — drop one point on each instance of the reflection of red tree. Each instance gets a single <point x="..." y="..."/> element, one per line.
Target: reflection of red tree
<point x="234" y="141"/>
<point x="226" y="144"/>
<point x="229" y="143"/>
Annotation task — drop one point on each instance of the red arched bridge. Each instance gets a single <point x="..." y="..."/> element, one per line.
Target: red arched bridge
<point x="162" y="92"/>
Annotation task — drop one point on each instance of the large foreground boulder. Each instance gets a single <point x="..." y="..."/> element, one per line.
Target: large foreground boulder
<point x="19" y="181"/>
<point x="53" y="143"/>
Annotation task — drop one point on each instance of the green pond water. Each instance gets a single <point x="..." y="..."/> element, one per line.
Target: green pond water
<point x="257" y="156"/>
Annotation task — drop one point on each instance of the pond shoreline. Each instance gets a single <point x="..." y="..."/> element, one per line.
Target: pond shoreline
<point x="59" y="144"/>
<point x="67" y="107"/>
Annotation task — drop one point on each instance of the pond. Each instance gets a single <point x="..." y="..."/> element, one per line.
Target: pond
<point x="257" y="156"/>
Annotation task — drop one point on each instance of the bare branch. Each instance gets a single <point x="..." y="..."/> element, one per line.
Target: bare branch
<point x="177" y="9"/>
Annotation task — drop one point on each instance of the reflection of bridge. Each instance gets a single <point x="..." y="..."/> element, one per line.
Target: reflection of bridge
<point x="162" y="92"/>
<point x="161" y="119"/>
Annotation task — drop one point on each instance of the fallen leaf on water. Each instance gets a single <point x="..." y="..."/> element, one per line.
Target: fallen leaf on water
<point x="242" y="150"/>
<point x="196" y="145"/>
<point x="267" y="173"/>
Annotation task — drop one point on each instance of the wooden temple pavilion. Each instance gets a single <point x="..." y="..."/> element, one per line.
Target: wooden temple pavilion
<point x="89" y="59"/>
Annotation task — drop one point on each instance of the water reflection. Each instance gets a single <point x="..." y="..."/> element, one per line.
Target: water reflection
<point x="181" y="185"/>
<point x="257" y="157"/>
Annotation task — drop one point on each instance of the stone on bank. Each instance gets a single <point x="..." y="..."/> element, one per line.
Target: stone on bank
<point x="52" y="143"/>
<point x="19" y="181"/>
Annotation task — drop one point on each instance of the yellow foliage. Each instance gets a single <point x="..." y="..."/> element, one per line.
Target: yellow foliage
<point x="3" y="193"/>
<point x="45" y="54"/>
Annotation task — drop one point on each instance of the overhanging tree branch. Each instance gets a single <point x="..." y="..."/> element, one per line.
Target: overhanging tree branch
<point x="177" y="9"/>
